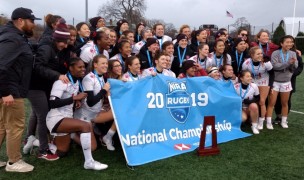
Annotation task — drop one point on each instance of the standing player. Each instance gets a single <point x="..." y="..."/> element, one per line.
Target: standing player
<point x="259" y="70"/>
<point x="284" y="63"/>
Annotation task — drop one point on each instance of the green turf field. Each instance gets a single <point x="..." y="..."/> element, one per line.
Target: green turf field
<point x="277" y="154"/>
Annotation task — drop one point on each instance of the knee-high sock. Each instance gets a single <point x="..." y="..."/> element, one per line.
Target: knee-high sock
<point x="85" y="139"/>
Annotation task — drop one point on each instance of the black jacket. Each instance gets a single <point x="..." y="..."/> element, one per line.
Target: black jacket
<point x="49" y="65"/>
<point x="234" y="63"/>
<point x="175" y="67"/>
<point x="16" y="62"/>
<point x="47" y="36"/>
<point x="143" y="58"/>
<point x="297" y="72"/>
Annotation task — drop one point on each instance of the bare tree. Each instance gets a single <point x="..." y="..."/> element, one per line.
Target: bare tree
<point x="131" y="10"/>
<point x="240" y="22"/>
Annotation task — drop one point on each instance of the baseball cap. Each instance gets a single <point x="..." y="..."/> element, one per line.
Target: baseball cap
<point x="23" y="13"/>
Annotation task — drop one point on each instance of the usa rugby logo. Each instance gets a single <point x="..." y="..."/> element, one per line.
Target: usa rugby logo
<point x="178" y="101"/>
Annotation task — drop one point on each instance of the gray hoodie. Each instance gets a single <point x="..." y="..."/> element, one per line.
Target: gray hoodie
<point x="283" y="70"/>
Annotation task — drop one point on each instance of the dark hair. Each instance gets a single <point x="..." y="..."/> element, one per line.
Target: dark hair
<point x="194" y="35"/>
<point x="225" y="58"/>
<point x="122" y="43"/>
<point x="224" y="67"/>
<point x="241" y="29"/>
<point x="51" y="19"/>
<point x="79" y="25"/>
<point x="110" y="69"/>
<point x="243" y="72"/>
<point x="282" y="39"/>
<point x="129" y="61"/>
<point x="73" y="61"/>
<point x="71" y="27"/>
<point x="158" y="55"/>
<point x="125" y="33"/>
<point x="98" y="36"/>
<point x="96" y="59"/>
<point x="166" y="44"/>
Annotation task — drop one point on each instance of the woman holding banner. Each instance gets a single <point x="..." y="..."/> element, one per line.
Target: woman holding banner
<point x="249" y="92"/>
<point x="161" y="64"/>
<point x="132" y="69"/>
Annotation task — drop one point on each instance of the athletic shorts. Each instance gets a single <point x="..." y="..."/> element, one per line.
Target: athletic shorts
<point x="262" y="81"/>
<point x="282" y="86"/>
<point x="52" y="118"/>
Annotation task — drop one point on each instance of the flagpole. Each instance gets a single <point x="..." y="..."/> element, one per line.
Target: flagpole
<point x="294" y="14"/>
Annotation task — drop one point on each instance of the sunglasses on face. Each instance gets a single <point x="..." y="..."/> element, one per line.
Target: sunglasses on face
<point x="244" y="34"/>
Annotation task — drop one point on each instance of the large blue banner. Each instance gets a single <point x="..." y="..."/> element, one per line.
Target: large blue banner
<point x="159" y="117"/>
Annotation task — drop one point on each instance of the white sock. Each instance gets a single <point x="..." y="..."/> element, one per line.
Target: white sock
<point x="85" y="140"/>
<point x="261" y="119"/>
<point x="268" y="120"/>
<point x="52" y="148"/>
<point x="254" y="124"/>
<point x="110" y="133"/>
<point x="284" y="119"/>
<point x="36" y="142"/>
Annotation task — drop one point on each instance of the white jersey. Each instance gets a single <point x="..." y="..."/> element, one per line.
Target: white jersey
<point x="90" y="83"/>
<point x="128" y="76"/>
<point x="163" y="39"/>
<point x="260" y="72"/>
<point x="149" y="71"/>
<point x="196" y="59"/>
<point x="62" y="91"/>
<point x="119" y="57"/>
<point x="89" y="51"/>
<point x="217" y="62"/>
<point x="251" y="91"/>
<point x="138" y="46"/>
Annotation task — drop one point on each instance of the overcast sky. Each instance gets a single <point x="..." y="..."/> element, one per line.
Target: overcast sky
<point x="178" y="12"/>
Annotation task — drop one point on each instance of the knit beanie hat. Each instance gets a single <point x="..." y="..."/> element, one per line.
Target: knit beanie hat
<point x="61" y="32"/>
<point x="180" y="37"/>
<point x="237" y="41"/>
<point x="151" y="41"/>
<point x="93" y="21"/>
<point x="120" y="22"/>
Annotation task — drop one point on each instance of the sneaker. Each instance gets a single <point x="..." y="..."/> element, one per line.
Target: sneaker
<point x="19" y="166"/>
<point x="2" y="163"/>
<point x="284" y="125"/>
<point x="36" y="143"/>
<point x="29" y="144"/>
<point x="108" y="143"/>
<point x="269" y="126"/>
<point x="255" y="130"/>
<point x="260" y="125"/>
<point x="95" y="165"/>
<point x="48" y="155"/>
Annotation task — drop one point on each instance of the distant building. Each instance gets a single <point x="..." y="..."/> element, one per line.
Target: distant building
<point x="298" y="23"/>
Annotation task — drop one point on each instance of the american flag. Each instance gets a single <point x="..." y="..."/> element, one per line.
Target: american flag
<point x="228" y="14"/>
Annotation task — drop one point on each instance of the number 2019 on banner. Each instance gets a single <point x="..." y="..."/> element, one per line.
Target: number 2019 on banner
<point x="157" y="100"/>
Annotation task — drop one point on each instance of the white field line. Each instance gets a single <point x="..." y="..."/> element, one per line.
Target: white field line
<point x="297" y="112"/>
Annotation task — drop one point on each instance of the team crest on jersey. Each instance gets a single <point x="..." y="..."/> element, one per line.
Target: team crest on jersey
<point x="178" y="101"/>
